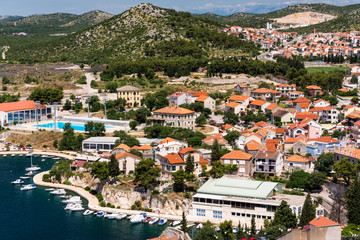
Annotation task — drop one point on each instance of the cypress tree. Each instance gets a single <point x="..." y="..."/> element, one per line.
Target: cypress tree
<point x="253" y="226"/>
<point x="308" y="212"/>
<point x="207" y="232"/>
<point x="352" y="202"/>
<point x="215" y="151"/>
<point x="113" y="167"/>
<point x="284" y="216"/>
<point x="183" y="223"/>
<point x="190" y="166"/>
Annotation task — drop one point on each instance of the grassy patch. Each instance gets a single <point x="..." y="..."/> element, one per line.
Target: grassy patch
<point x="326" y="69"/>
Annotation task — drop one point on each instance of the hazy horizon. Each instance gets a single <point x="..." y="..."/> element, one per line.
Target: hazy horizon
<point x="223" y="7"/>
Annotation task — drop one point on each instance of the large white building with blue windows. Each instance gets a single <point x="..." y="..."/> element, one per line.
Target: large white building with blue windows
<point x="237" y="199"/>
<point x="23" y="111"/>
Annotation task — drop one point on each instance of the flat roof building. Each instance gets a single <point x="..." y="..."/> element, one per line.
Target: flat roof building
<point x="238" y="199"/>
<point x="99" y="144"/>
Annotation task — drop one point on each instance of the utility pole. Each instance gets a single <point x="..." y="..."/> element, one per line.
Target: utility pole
<point x="105" y="100"/>
<point x="55" y="104"/>
<point x="37" y="106"/>
<point x="88" y="100"/>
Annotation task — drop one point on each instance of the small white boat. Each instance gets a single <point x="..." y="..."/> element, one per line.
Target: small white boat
<point x="69" y="206"/>
<point x="235" y="229"/>
<point x="59" y="191"/>
<point x="28" y="187"/>
<point x="57" y="158"/>
<point x="21" y="155"/>
<point x="75" y="199"/>
<point x="199" y="226"/>
<point x="111" y="215"/>
<point x="44" y="156"/>
<point x="121" y="216"/>
<point x="32" y="168"/>
<point x="138" y="218"/>
<point x="162" y="221"/>
<point x="76" y="208"/>
<point x="49" y="189"/>
<point x="36" y="155"/>
<point x="175" y="223"/>
<point x="100" y="214"/>
<point x="17" y="181"/>
<point x="153" y="220"/>
<point x="26" y="177"/>
<point x="217" y="229"/>
<point x="43" y="160"/>
<point x="65" y="196"/>
<point x="29" y="173"/>
<point x="29" y="154"/>
<point x="49" y="156"/>
<point x="88" y="212"/>
<point x="13" y="155"/>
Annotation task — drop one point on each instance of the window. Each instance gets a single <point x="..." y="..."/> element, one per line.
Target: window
<point x="241" y="170"/>
<point x="233" y="214"/>
<point x="200" y="212"/>
<point x="173" y="168"/>
<point x="242" y="162"/>
<point x="238" y="214"/>
<point x="217" y="214"/>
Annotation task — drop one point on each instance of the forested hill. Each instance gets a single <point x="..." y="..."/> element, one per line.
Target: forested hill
<point x="143" y="31"/>
<point x="53" y="23"/>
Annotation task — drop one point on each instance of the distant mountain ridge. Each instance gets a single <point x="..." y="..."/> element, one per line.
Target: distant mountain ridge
<point x="53" y="23"/>
<point x="8" y="18"/>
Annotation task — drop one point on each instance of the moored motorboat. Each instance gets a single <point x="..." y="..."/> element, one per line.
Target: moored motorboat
<point x="59" y="191"/>
<point x="100" y="214"/>
<point x="111" y="215"/>
<point x="153" y="220"/>
<point x="199" y="226"/>
<point x="13" y="155"/>
<point x="26" y="177"/>
<point x="75" y="199"/>
<point x="43" y="160"/>
<point x="56" y="158"/>
<point x="69" y="206"/>
<point x="121" y="216"/>
<point x="88" y="212"/>
<point x="175" y="223"/>
<point x="32" y="167"/>
<point x="76" y="208"/>
<point x="29" y="173"/>
<point x="44" y="156"/>
<point x="17" y="181"/>
<point x="146" y="220"/>
<point x="65" y="196"/>
<point x="28" y="187"/>
<point x="138" y="218"/>
<point x="162" y="221"/>
<point x="49" y="189"/>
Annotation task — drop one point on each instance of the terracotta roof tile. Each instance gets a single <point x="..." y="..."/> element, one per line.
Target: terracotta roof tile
<point x="232" y="104"/>
<point x="201" y="98"/>
<point x="238" y="98"/>
<point x="16" y="106"/>
<point x="323" y="222"/>
<point x="187" y="149"/>
<point x="174" y="110"/>
<point x="126" y="154"/>
<point x="297" y="158"/>
<point x="237" y="154"/>
<point x="145" y="147"/>
<point x="174" y="158"/>
<point x="301" y="99"/>
<point x="313" y="87"/>
<point x="123" y="146"/>
<point x="166" y="140"/>
<point x="271" y="106"/>
<point x="258" y="102"/>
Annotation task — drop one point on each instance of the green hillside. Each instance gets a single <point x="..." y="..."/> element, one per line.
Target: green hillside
<point x="143" y="31"/>
<point x="53" y="23"/>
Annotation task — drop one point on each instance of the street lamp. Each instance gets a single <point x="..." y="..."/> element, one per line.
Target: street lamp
<point x="88" y="100"/>
<point x="37" y="106"/>
<point x="55" y="104"/>
<point x="105" y="100"/>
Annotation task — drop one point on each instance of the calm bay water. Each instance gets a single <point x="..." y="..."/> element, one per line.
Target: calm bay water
<point x="36" y="214"/>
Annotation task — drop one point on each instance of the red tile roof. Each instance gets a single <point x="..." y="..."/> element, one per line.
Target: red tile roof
<point x="271" y="106"/>
<point x="258" y="102"/>
<point x="298" y="158"/>
<point x="166" y="140"/>
<point x="174" y="158"/>
<point x="126" y="154"/>
<point x="261" y="124"/>
<point x="123" y="146"/>
<point x="18" y="106"/>
<point x="325" y="139"/>
<point x="238" y="98"/>
<point x="232" y="104"/>
<point x="313" y="87"/>
<point x="304" y="115"/>
<point x="323" y="222"/>
<point x="301" y="99"/>
<point x="145" y="147"/>
<point x="174" y="110"/>
<point x="201" y="98"/>
<point x="237" y="154"/>
<point x="187" y="149"/>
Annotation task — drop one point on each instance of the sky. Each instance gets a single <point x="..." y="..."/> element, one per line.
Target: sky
<point x="29" y="7"/>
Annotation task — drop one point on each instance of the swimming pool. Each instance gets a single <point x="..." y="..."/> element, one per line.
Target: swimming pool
<point x="60" y="125"/>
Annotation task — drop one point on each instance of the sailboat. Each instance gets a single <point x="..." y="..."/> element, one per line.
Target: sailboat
<point x="33" y="167"/>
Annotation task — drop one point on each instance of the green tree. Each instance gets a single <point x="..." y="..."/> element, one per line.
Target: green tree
<point x="217" y="170"/>
<point x="150" y="74"/>
<point x="200" y="120"/>
<point x="354" y="79"/>
<point x="147" y="173"/>
<point x="346" y="170"/>
<point x="315" y="181"/>
<point x="100" y="170"/>
<point x="183" y="223"/>
<point x="67" y="105"/>
<point x="179" y="180"/>
<point x="325" y="162"/>
<point x="111" y="87"/>
<point x="215" y="151"/>
<point x="141" y="114"/>
<point x="133" y="124"/>
<point x="207" y="232"/>
<point x="125" y="139"/>
<point x="226" y="230"/>
<point x="190" y="165"/>
<point x="232" y="136"/>
<point x="253" y="226"/>
<point x="239" y="233"/>
<point x="95" y="129"/>
<point x="136" y="153"/>
<point x="352" y="202"/>
<point x="284" y="216"/>
<point x="298" y="179"/>
<point x="114" y="169"/>
<point x="47" y="94"/>
<point x="308" y="212"/>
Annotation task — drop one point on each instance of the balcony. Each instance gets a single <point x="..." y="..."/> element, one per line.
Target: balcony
<point x="265" y="163"/>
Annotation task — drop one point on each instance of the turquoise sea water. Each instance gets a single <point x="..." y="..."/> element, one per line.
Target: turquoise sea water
<point x="35" y="214"/>
<point x="60" y="125"/>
